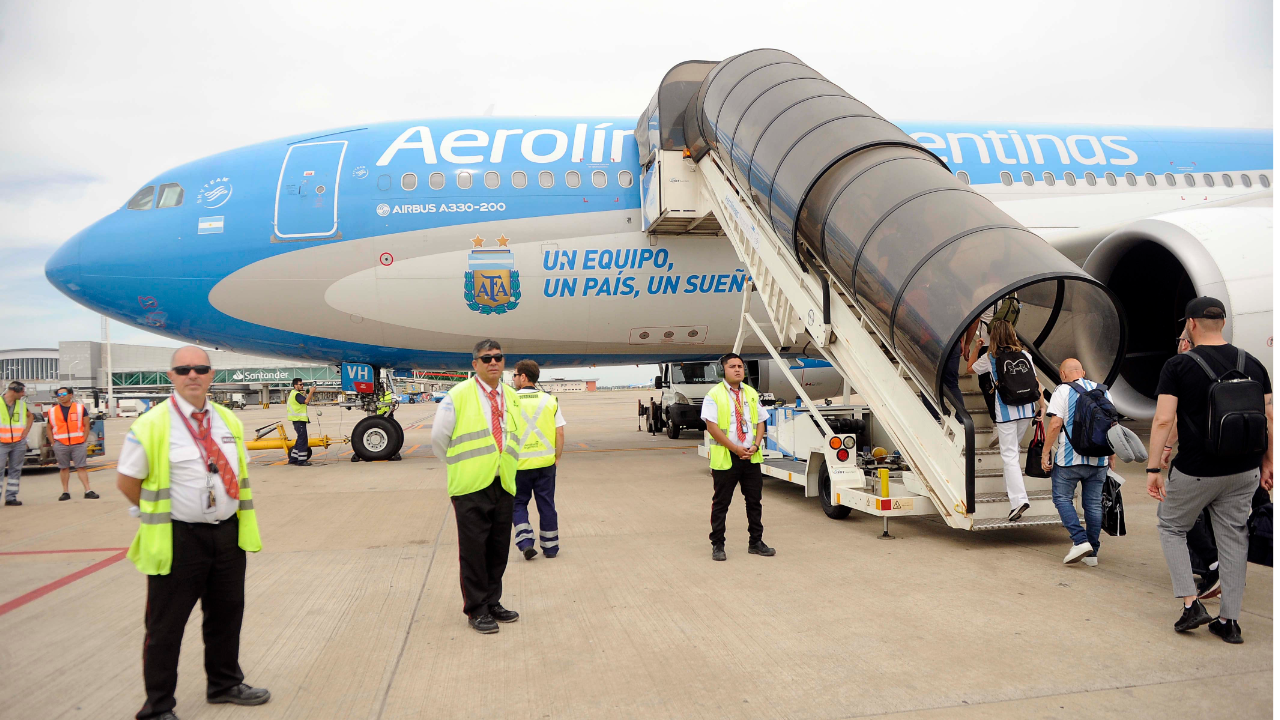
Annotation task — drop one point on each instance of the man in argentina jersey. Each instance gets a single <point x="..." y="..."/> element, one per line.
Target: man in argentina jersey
<point x="1070" y="468"/>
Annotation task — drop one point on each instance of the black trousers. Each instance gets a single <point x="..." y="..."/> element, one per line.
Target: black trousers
<point x="301" y="450"/>
<point x="484" y="540"/>
<point x="748" y="475"/>
<point x="208" y="565"/>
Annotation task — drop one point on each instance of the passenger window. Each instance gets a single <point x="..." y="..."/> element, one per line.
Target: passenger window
<point x="572" y="179"/>
<point x="599" y="179"/>
<point x="1151" y="179"/>
<point x="1226" y="180"/>
<point x="1111" y="179"/>
<point x="384" y="182"/>
<point x="1049" y="179"/>
<point x="1208" y="180"/>
<point x="1028" y="179"/>
<point x="519" y="179"/>
<point x="170" y="195"/>
<point x="435" y="181"/>
<point x="491" y="180"/>
<point x="1090" y="179"/>
<point x="1170" y="180"/>
<point x="1070" y="177"/>
<point x="1006" y="178"/>
<point x="409" y="181"/>
<point x="464" y="180"/>
<point x="625" y="179"/>
<point x="963" y="176"/>
<point x="546" y="179"/>
<point x="1131" y="179"/>
<point x="1246" y="180"/>
<point x="142" y="201"/>
<point x="1266" y="182"/>
<point x="1190" y="179"/>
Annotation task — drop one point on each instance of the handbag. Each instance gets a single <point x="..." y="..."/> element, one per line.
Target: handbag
<point x="1112" y="507"/>
<point x="1034" y="452"/>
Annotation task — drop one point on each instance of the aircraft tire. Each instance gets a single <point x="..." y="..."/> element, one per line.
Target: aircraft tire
<point x="835" y="512"/>
<point x="399" y="443"/>
<point x="374" y="438"/>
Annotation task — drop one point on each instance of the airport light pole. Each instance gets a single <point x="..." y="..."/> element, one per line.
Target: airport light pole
<point x="106" y="349"/>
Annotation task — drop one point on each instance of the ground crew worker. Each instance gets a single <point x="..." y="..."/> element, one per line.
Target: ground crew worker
<point x="539" y="456"/>
<point x="66" y="427"/>
<point x="735" y="421"/>
<point x="15" y="424"/>
<point x="301" y="452"/>
<point x="178" y="467"/>
<point x="387" y="409"/>
<point x="475" y="430"/>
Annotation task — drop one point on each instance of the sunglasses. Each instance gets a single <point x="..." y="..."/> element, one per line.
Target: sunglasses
<point x="186" y="369"/>
<point x="62" y="394"/>
<point x="486" y="359"/>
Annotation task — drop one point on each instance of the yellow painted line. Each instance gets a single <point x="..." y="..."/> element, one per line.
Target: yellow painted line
<point x="415" y="447"/>
<point x="108" y="466"/>
<point x="582" y="445"/>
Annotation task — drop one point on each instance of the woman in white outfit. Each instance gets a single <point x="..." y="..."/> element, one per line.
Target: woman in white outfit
<point x="1012" y="421"/>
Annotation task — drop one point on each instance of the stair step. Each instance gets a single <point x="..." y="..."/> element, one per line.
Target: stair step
<point x="1024" y="522"/>
<point x="992" y="497"/>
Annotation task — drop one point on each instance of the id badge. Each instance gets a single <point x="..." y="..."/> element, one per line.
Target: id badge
<point x="210" y="502"/>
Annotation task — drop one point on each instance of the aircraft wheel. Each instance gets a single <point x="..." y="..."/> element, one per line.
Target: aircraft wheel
<point x="374" y="438"/>
<point x="399" y="443"/>
<point x="835" y="512"/>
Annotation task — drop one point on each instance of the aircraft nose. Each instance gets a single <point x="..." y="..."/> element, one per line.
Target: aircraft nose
<point x="63" y="268"/>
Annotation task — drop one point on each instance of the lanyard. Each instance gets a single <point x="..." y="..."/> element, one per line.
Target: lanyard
<point x="208" y="462"/>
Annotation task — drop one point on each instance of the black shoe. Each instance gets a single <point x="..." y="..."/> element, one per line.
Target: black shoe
<point x="168" y="716"/>
<point x="717" y="553"/>
<point x="303" y="463"/>
<point x="1229" y="631"/>
<point x="484" y="624"/>
<point x="1014" y="515"/>
<point x="64" y="496"/>
<point x="1210" y="585"/>
<point x="91" y="495"/>
<point x="12" y="503"/>
<point x="502" y="614"/>
<point x="551" y="553"/>
<point x="760" y="548"/>
<point x="530" y="553"/>
<point x="1192" y="617"/>
<point x="242" y="695"/>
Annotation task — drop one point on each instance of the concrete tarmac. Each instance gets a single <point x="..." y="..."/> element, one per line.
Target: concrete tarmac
<point x="354" y="609"/>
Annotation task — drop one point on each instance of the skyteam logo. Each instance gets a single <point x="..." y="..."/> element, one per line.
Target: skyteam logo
<point x="491" y="284"/>
<point x="214" y="194"/>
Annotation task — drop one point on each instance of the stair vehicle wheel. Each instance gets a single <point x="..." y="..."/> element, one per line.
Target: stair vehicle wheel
<point x="374" y="438"/>
<point x="835" y="512"/>
<point x="673" y="430"/>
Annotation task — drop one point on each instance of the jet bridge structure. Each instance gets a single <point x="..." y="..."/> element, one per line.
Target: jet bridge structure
<point x="866" y="249"/>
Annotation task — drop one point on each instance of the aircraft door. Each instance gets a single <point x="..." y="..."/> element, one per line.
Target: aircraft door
<point x="307" y="193"/>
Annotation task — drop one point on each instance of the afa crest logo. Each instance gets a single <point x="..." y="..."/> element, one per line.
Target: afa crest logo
<point x="491" y="284"/>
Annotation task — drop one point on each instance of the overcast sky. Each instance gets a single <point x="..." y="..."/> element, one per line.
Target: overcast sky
<point x="98" y="97"/>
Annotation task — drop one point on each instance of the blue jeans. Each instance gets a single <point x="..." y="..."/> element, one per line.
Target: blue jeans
<point x="1090" y="479"/>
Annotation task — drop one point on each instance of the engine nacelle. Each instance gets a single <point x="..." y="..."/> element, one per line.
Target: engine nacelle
<point x="1154" y="266"/>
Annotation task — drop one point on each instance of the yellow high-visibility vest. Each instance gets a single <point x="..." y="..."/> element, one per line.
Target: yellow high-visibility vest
<point x="719" y="455"/>
<point x="538" y="440"/>
<point x="11" y="427"/>
<point x="297" y="410"/>
<point x="473" y="460"/>
<point x="152" y="548"/>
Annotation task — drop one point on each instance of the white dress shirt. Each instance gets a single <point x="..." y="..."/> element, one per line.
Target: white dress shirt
<point x="711" y="413"/>
<point x="446" y="418"/>
<point x="189" y="478"/>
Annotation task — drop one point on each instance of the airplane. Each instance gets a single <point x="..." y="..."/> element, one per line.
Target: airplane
<point x="401" y="244"/>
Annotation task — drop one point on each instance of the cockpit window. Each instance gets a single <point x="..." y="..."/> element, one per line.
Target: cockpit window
<point x="142" y="201"/>
<point x="170" y="195"/>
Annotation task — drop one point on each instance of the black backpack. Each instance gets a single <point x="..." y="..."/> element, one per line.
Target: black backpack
<point x="1237" y="411"/>
<point x="1093" y="417"/>
<point x="1015" y="377"/>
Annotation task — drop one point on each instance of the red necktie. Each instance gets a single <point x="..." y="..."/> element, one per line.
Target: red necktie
<point x="742" y="416"/>
<point x="495" y="416"/>
<point x="212" y="451"/>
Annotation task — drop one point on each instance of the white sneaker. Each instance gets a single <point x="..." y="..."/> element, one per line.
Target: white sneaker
<point x="1091" y="561"/>
<point x="1076" y="553"/>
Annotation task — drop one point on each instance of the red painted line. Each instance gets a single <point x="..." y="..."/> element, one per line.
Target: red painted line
<point x="40" y="592"/>
<point x="53" y="552"/>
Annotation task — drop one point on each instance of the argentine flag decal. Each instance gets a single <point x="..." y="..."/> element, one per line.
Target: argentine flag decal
<point x="210" y="225"/>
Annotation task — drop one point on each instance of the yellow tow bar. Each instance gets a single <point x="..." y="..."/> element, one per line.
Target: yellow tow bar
<point x="283" y="442"/>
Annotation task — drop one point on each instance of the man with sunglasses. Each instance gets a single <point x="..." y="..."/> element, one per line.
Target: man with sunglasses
<point x="184" y="468"/>
<point x="66" y="425"/>
<point x="476" y="432"/>
<point x="15" y="425"/>
<point x="301" y="452"/>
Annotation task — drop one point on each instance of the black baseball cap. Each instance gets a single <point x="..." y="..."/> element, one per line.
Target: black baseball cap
<point x="1205" y="307"/>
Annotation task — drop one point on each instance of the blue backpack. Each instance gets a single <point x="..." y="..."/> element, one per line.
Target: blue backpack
<point x="1093" y="417"/>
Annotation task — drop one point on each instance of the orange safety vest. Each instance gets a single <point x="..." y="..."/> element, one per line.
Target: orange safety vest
<point x="71" y="430"/>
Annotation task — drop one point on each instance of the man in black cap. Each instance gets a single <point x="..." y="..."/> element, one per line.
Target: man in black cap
<point x="1207" y="471"/>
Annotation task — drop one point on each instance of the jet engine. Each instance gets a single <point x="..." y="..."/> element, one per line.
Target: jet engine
<point x="1154" y="266"/>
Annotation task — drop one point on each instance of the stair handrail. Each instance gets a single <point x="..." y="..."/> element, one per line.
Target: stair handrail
<point x="959" y="412"/>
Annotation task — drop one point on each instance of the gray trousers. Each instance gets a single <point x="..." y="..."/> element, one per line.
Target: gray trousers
<point x="1229" y="500"/>
<point x="13" y="455"/>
